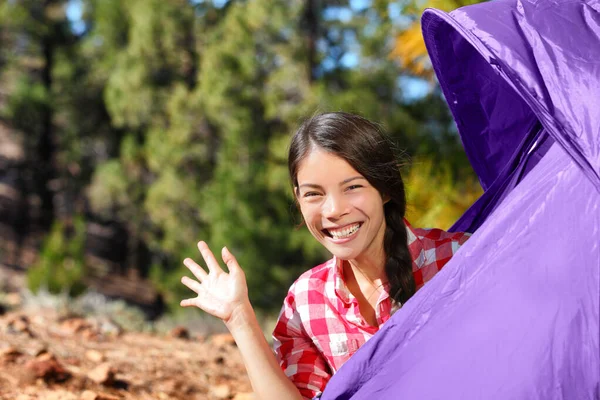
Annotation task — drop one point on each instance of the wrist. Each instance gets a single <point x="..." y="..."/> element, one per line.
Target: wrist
<point x="240" y="317"/>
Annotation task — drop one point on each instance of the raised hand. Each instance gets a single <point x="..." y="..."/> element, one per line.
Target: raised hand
<point x="219" y="292"/>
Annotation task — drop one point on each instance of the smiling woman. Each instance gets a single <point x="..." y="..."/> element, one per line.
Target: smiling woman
<point x="348" y="186"/>
<point x="339" y="206"/>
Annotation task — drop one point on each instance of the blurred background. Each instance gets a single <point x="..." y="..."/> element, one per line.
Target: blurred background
<point x="130" y="130"/>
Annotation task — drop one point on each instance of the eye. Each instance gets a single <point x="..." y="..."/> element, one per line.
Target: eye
<point x="310" y="194"/>
<point x="352" y="187"/>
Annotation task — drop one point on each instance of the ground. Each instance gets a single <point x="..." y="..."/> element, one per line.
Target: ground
<point x="44" y="355"/>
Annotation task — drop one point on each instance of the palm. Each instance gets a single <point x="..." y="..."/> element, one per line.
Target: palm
<point x="219" y="292"/>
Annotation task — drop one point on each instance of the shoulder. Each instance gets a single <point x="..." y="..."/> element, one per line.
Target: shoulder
<point x="441" y="236"/>
<point x="434" y="246"/>
<point x="431" y="249"/>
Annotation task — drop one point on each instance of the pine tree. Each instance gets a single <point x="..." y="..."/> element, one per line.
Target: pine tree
<point x="34" y="35"/>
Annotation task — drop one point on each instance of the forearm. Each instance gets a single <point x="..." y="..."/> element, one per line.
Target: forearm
<point x="267" y="378"/>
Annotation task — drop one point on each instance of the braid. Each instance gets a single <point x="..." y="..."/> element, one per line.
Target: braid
<point x="398" y="266"/>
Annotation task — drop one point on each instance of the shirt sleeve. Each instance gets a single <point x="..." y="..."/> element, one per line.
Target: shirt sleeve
<point x="438" y="247"/>
<point x="462" y="237"/>
<point x="298" y="356"/>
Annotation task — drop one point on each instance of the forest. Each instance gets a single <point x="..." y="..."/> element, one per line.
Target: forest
<point x="130" y="130"/>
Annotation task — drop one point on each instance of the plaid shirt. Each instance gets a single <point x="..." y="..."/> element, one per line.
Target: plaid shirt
<point x="320" y="326"/>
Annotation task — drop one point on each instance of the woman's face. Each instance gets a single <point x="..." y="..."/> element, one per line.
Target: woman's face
<point x="340" y="208"/>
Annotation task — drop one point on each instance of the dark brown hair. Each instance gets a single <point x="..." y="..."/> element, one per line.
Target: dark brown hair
<point x="371" y="153"/>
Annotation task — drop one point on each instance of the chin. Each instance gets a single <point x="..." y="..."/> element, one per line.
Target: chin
<point x="342" y="254"/>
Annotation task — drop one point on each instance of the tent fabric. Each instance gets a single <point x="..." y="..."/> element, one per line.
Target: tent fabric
<point x="515" y="314"/>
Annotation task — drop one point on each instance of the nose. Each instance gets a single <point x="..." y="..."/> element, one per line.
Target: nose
<point x="335" y="207"/>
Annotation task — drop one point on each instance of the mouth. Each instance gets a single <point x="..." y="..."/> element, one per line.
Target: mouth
<point x="344" y="232"/>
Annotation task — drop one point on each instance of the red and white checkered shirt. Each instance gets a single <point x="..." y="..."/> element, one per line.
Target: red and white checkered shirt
<point x="320" y="326"/>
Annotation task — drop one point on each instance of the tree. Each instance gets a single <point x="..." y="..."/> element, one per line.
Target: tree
<point x="172" y="118"/>
<point x="151" y="61"/>
<point x="35" y="33"/>
<point x="254" y="85"/>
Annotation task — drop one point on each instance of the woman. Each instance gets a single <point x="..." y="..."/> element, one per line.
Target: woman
<point x="349" y="190"/>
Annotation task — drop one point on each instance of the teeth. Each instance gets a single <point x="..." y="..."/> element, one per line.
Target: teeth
<point x="342" y="233"/>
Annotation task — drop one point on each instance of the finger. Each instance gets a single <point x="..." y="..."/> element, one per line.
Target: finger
<point x="209" y="258"/>
<point x="188" y="303"/>
<point x="192" y="284"/>
<point x="230" y="260"/>
<point x="197" y="270"/>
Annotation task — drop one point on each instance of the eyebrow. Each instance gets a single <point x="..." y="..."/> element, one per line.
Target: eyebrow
<point x="345" y="181"/>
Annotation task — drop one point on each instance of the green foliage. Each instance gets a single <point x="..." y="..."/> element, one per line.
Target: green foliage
<point x="26" y="107"/>
<point x="168" y="282"/>
<point x="60" y="267"/>
<point x="244" y="208"/>
<point x="173" y="118"/>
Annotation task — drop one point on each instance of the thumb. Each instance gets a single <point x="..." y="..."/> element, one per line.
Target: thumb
<point x="187" y="303"/>
<point x="229" y="259"/>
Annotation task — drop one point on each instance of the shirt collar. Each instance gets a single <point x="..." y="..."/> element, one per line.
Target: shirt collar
<point x="341" y="290"/>
<point x="415" y="247"/>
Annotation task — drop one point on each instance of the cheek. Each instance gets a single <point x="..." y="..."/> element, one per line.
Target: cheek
<point x="312" y="222"/>
<point x="369" y="207"/>
<point x="309" y="213"/>
<point x="363" y="204"/>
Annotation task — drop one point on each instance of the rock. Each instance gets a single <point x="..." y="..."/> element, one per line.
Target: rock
<point x="90" y="334"/>
<point x="94" y="355"/>
<point x="9" y="355"/>
<point x="59" y="395"/>
<point x="220" y="360"/>
<point x="168" y="386"/>
<point x="244" y="396"/>
<point x="103" y="325"/>
<point x="220" y="391"/>
<point x="19" y="324"/>
<point x="74" y="325"/>
<point x="183" y="355"/>
<point x="45" y="356"/>
<point x="73" y="362"/>
<point x="39" y="350"/>
<point x="222" y="340"/>
<point x="89" y="329"/>
<point x="137" y="365"/>
<point x="106" y="396"/>
<point x="180" y="332"/>
<point x="91" y="395"/>
<point x="48" y="368"/>
<point x="103" y="374"/>
<point x="41" y="319"/>
<point x="13" y="299"/>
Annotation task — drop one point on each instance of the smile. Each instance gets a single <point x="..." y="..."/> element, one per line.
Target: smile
<point x="343" y="233"/>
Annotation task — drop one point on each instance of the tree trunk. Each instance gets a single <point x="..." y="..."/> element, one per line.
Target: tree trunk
<point x="311" y="25"/>
<point x="46" y="147"/>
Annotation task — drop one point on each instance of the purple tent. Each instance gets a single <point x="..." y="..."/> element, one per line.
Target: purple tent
<point x="515" y="314"/>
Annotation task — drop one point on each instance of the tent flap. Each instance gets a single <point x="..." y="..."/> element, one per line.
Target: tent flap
<point x="540" y="49"/>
